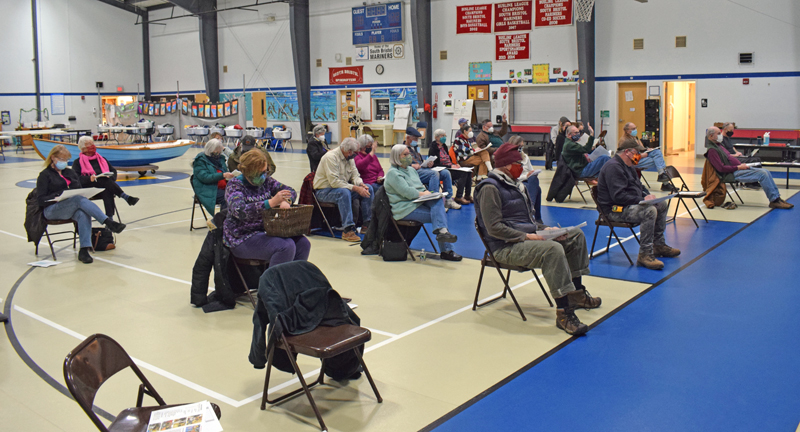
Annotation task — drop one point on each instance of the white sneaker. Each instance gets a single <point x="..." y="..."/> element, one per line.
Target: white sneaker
<point x="452" y="204"/>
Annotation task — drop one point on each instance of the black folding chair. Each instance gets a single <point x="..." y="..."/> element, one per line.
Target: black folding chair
<point x="603" y="220"/>
<point x="195" y="203"/>
<point x="684" y="192"/>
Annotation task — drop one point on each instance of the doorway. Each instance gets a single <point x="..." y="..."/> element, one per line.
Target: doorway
<point x="348" y="105"/>
<point x="679" y="116"/>
<point x="259" y="109"/>
<point x="630" y="103"/>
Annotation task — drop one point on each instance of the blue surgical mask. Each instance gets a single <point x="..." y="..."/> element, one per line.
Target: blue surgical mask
<point x="634" y="133"/>
<point x="415" y="143"/>
<point x="61" y="165"/>
<point x="443" y="140"/>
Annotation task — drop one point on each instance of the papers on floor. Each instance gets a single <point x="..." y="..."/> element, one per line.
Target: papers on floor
<point x="430" y="196"/>
<point x="549" y="234"/>
<point x="105" y="174"/>
<point x="427" y="162"/>
<point x="44" y="263"/>
<point x="599" y="151"/>
<point x="84" y="192"/>
<point x="195" y="417"/>
<point x="657" y="200"/>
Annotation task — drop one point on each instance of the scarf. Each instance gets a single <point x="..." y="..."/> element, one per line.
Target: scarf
<point x="86" y="165"/>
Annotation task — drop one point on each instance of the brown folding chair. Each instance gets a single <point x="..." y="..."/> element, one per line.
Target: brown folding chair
<point x="603" y="220"/>
<point x="588" y="181"/>
<point x="732" y="185"/>
<point x="488" y="259"/>
<point x="319" y="207"/>
<point x="195" y="203"/>
<point x="50" y="241"/>
<point x="684" y="192"/>
<point x="260" y="264"/>
<point x="93" y="362"/>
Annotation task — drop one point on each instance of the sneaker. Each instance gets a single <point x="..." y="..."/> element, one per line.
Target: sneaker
<point x="452" y="204"/>
<point x="665" y="251"/>
<point x="649" y="261"/>
<point x="663" y="177"/>
<point x="84" y="257"/>
<point x="567" y="320"/>
<point x="350" y="236"/>
<point x="445" y="237"/>
<point x="132" y="200"/>
<point x="115" y="227"/>
<point x="729" y="206"/>
<point x="583" y="300"/>
<point x="450" y="256"/>
<point x="668" y="187"/>
<point x="780" y="204"/>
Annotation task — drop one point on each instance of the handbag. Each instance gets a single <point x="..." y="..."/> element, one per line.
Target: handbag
<point x="394" y="251"/>
<point x="102" y="239"/>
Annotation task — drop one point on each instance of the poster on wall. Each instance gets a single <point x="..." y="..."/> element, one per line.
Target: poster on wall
<point x="513" y="16"/>
<point x="163" y="109"/>
<point x="282" y="106"/>
<point x="213" y="110"/>
<point x="227" y="109"/>
<point x="175" y="106"/>
<point x="403" y="96"/>
<point x="221" y="110"/>
<point x="194" y="110"/>
<point x="207" y="111"/>
<point x="553" y="13"/>
<point x="512" y="46"/>
<point x="323" y="105"/>
<point x="248" y="103"/>
<point x="235" y="107"/>
<point x="151" y="109"/>
<point x="541" y="73"/>
<point x="378" y="23"/>
<point x="474" y="19"/>
<point x="480" y="71"/>
<point x="346" y="75"/>
<point x="140" y="106"/>
<point x="381" y="52"/>
<point x="184" y="106"/>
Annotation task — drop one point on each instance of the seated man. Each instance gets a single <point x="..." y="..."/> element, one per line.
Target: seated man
<point x="317" y="146"/>
<point x="248" y="143"/>
<point x="337" y="181"/>
<point x="653" y="159"/>
<point x="429" y="177"/>
<point x="577" y="156"/>
<point x="619" y="192"/>
<point x="490" y="138"/>
<point x="531" y="179"/>
<point x="504" y="214"/>
<point x="730" y="169"/>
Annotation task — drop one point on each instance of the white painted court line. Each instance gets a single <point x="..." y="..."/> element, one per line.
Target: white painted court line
<point x="142" y="271"/>
<point x="172" y="187"/>
<point x="162" y="224"/>
<point x="370" y="329"/>
<point x="14" y="235"/>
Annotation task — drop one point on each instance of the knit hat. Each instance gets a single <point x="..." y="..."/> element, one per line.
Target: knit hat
<point x="507" y="154"/>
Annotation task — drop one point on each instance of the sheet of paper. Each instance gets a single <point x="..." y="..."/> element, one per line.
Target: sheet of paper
<point x="105" y="174"/>
<point x="476" y="150"/>
<point x="439" y="168"/>
<point x="599" y="151"/>
<point x="657" y="200"/>
<point x="430" y="196"/>
<point x="465" y="169"/>
<point x="85" y="192"/>
<point x="44" y="263"/>
<point x="427" y="162"/>
<point x="629" y="96"/>
<point x="550" y="234"/>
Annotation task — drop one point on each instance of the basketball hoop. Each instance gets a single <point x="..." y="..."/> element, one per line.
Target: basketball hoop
<point x="583" y="10"/>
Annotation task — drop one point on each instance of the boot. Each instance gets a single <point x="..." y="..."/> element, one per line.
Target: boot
<point x="663" y="177"/>
<point x="131" y="200"/>
<point x="647" y="260"/>
<point x="84" y="257"/>
<point x="665" y="251"/>
<point x="582" y="299"/>
<point x="567" y="320"/>
<point x="780" y="204"/>
<point x="115" y="227"/>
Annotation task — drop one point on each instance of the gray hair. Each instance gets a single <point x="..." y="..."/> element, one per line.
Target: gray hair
<point x="84" y="140"/>
<point x="319" y="130"/>
<point x="439" y="133"/>
<point x="349" y="144"/>
<point x="516" y="140"/>
<point x="364" y="141"/>
<point x="711" y="131"/>
<point x="397" y="151"/>
<point x="726" y="125"/>
<point x="212" y="146"/>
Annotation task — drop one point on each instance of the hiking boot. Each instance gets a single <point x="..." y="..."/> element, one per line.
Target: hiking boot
<point x="649" y="261"/>
<point x="663" y="177"/>
<point x="583" y="300"/>
<point x="665" y="251"/>
<point x="445" y="236"/>
<point x="131" y="200"/>
<point x="780" y="204"/>
<point x="450" y="256"/>
<point x="84" y="257"/>
<point x="115" y="227"/>
<point x="468" y="199"/>
<point x="350" y="236"/>
<point x="452" y="204"/>
<point x="567" y="320"/>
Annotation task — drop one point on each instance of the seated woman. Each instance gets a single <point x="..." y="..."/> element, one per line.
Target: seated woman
<point x="367" y="162"/>
<point x="243" y="230"/>
<point x="462" y="179"/>
<point x="468" y="154"/>
<point x="403" y="186"/>
<point x="531" y="180"/>
<point x="210" y="176"/>
<point x="248" y="143"/>
<point x="52" y="182"/>
<point x="89" y="165"/>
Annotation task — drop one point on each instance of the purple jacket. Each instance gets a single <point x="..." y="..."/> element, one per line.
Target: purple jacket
<point x="245" y="203"/>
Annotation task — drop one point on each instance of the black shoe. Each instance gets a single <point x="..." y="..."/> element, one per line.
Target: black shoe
<point x="667" y="187"/>
<point x="450" y="256"/>
<point x="84" y="257"/>
<point x="131" y="200"/>
<point x="663" y="178"/>
<point x="115" y="227"/>
<point x="446" y="237"/>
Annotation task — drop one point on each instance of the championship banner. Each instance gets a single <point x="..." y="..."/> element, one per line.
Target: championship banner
<point x="513" y="47"/>
<point x="474" y="19"/>
<point x="553" y="13"/>
<point x="513" y="16"/>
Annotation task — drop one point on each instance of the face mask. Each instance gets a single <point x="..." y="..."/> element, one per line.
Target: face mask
<point x="490" y="130"/>
<point x="214" y="156"/>
<point x="406" y="160"/>
<point x="575" y="137"/>
<point x="368" y="149"/>
<point x="351" y="157"/>
<point x="443" y="140"/>
<point x="258" y="181"/>
<point x="635" y="158"/>
<point x="634" y="133"/>
<point x="729" y="134"/>
<point x="414" y="143"/>
<point x="90" y="150"/>
<point x="515" y="171"/>
<point x="719" y="138"/>
<point x="321" y="138"/>
<point x="470" y="135"/>
<point x="61" y="165"/>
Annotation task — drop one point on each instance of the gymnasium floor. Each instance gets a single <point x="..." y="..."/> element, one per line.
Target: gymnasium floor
<point x="697" y="346"/>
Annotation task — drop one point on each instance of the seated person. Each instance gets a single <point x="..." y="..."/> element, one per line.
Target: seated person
<point x="403" y="186"/>
<point x="337" y="180"/>
<point x="550" y="150"/>
<point x="247" y="195"/>
<point x="489" y="137"/>
<point x="52" y="182"/>
<point x="89" y="165"/>
<point x="245" y="145"/>
<point x="367" y="163"/>
<point x="429" y="177"/>
<point x="463" y="179"/>
<point x="577" y="156"/>
<point x="317" y="146"/>
<point x="727" y="134"/>
<point x="469" y="155"/>
<point x="730" y="169"/>
<point x="531" y="180"/>
<point x="210" y="176"/>
<point x="226" y="151"/>
<point x="561" y="138"/>
<point x="505" y="216"/>
<point x="619" y="192"/>
<point x="651" y="160"/>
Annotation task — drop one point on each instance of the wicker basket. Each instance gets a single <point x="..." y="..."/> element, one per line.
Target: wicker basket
<point x="291" y="222"/>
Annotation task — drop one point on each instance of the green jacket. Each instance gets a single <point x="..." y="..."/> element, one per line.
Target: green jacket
<point x="402" y="186"/>
<point x="206" y="178"/>
<point x="574" y="154"/>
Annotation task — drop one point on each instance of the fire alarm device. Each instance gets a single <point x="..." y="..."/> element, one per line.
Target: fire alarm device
<point x="745" y="81"/>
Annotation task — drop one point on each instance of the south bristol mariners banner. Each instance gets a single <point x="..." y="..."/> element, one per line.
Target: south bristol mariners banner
<point x="346" y="75"/>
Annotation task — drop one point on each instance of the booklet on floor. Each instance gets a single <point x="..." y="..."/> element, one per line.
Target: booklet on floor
<point x="194" y="417"/>
<point x="85" y="192"/>
<point x="549" y="234"/>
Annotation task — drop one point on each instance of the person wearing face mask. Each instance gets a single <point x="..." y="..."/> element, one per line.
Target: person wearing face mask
<point x="337" y="181"/>
<point x="576" y="156"/>
<point x="505" y="217"/>
<point x="428" y="176"/>
<point x="558" y="147"/>
<point x="248" y="143"/>
<point x="619" y="192"/>
<point x="317" y="147"/>
<point x="550" y="148"/>
<point x="243" y="230"/>
<point x="367" y="162"/>
<point x="469" y="155"/>
<point x="652" y="159"/>
<point x="52" y="182"/>
<point x="210" y="176"/>
<point x="462" y="179"/>
<point x="729" y="169"/>
<point x="490" y="138"/>
<point x="403" y="186"/>
<point x="531" y="179"/>
<point x="89" y="165"/>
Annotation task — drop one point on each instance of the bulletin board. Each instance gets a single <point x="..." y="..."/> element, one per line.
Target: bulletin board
<point x="401" y="113"/>
<point x="543" y="105"/>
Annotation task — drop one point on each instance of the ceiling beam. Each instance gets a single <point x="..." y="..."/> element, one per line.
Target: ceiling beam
<point x="124" y="6"/>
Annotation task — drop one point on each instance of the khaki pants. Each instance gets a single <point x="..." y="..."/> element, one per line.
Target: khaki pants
<point x="478" y="160"/>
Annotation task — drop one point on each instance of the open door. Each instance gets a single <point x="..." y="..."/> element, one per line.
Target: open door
<point x="630" y="103"/>
<point x="679" y="116"/>
<point x="347" y="107"/>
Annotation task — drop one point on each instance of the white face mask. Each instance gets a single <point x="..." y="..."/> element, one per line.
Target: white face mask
<point x="470" y="135"/>
<point x="490" y="130"/>
<point x="719" y="138"/>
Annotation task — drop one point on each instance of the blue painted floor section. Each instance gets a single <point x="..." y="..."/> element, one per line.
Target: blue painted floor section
<point x="711" y="349"/>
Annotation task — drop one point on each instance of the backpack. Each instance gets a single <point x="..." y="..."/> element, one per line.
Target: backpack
<point x="102" y="239"/>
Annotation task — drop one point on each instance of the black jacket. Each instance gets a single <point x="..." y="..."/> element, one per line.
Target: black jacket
<point x="562" y="183"/>
<point x="50" y="184"/>
<point x="85" y="180"/>
<point x="372" y="244"/>
<point x="315" y="150"/>
<point x="618" y="184"/>
<point x="35" y="223"/>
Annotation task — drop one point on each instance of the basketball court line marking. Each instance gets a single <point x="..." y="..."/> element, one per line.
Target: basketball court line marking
<point x="162" y="224"/>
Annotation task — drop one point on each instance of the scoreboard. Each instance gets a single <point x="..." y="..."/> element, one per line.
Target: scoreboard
<point x="378" y="23"/>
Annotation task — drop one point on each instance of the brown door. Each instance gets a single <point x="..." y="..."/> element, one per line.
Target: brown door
<point x="630" y="100"/>
<point x="260" y="109"/>
<point x="347" y="107"/>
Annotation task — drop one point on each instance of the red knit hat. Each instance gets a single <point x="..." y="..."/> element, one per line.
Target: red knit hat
<point x="507" y="154"/>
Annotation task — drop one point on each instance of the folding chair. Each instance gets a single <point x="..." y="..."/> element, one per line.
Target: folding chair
<point x="195" y="203"/>
<point x="603" y="220"/>
<point x="116" y="208"/>
<point x="588" y="181"/>
<point x="641" y="176"/>
<point x="260" y="264"/>
<point x="50" y="241"/>
<point x="96" y="360"/>
<point x="411" y="226"/>
<point x="684" y="192"/>
<point x="733" y="186"/>
<point x="319" y="207"/>
<point x="488" y="259"/>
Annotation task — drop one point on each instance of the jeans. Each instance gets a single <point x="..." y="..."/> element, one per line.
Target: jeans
<point x="652" y="220"/>
<point x="593" y="169"/>
<point x="432" y="212"/>
<point x="81" y="210"/>
<point x="763" y="177"/>
<point x="431" y="178"/>
<point x="654" y="160"/>
<point x="276" y="250"/>
<point x="535" y="193"/>
<point x="346" y="200"/>
<point x="223" y="204"/>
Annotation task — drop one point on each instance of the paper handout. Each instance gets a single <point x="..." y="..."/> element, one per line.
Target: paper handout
<point x="84" y="192"/>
